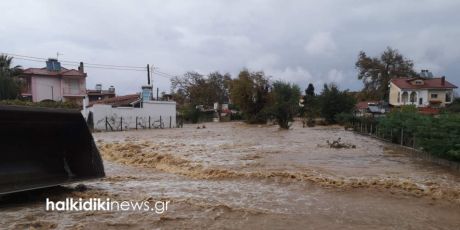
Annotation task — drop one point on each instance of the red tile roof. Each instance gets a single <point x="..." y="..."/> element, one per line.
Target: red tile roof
<point x="364" y="104"/>
<point x="46" y="72"/>
<point x="429" y="83"/>
<point x="428" y="111"/>
<point x="118" y="101"/>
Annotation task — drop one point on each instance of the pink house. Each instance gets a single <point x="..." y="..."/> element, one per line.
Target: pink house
<point x="54" y="82"/>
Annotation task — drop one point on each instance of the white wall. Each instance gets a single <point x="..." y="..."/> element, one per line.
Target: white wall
<point x="152" y="109"/>
<point x="423" y="94"/>
<point x="47" y="88"/>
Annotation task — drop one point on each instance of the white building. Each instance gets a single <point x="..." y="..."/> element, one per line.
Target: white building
<point x="131" y="112"/>
<point x="421" y="92"/>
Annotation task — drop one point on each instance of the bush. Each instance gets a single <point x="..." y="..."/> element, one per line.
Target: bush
<point x="436" y="135"/>
<point x="9" y="88"/>
<point x="333" y="101"/>
<point x="344" y="118"/>
<point x="46" y="104"/>
<point x="190" y="114"/>
<point x="455" y="106"/>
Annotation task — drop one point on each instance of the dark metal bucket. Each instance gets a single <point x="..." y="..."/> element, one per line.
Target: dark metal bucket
<point x="43" y="147"/>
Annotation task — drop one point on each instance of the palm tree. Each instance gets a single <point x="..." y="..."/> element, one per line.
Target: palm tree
<point x="5" y="66"/>
<point x="9" y="85"/>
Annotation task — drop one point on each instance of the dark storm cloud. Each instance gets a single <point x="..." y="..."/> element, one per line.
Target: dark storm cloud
<point x="298" y="41"/>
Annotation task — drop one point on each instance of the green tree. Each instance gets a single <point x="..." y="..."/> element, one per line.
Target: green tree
<point x="309" y="105"/>
<point x="332" y="101"/>
<point x="220" y="83"/>
<point x="194" y="89"/>
<point x="376" y="72"/>
<point x="9" y="84"/>
<point x="6" y="66"/>
<point x="250" y="93"/>
<point x="455" y="106"/>
<point x="285" y="103"/>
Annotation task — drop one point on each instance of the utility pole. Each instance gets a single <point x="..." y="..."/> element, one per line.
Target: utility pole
<point x="148" y="74"/>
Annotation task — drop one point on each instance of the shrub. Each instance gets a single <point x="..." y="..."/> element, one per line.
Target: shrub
<point x="436" y="135"/>
<point x="344" y="118"/>
<point x="47" y="104"/>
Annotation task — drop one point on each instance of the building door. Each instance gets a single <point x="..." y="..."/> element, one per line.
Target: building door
<point x="420" y="101"/>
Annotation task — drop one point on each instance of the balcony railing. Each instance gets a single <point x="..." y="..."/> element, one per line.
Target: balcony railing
<point x="26" y="90"/>
<point x="73" y="91"/>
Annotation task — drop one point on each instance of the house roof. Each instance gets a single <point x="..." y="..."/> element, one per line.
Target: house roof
<point x="99" y="92"/>
<point x="428" y="110"/>
<point x="428" y="83"/>
<point x="376" y="109"/>
<point x="125" y="100"/>
<point x="45" y="72"/>
<point x="365" y="104"/>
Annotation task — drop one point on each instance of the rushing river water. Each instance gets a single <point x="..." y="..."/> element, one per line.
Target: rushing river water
<point x="232" y="175"/>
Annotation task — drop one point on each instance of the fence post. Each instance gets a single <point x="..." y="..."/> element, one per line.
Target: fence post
<point x="149" y="122"/>
<point x="371" y="128"/>
<point x="136" y="122"/>
<point x="402" y="136"/>
<point x="170" y="121"/>
<point x="121" y="123"/>
<point x="106" y="128"/>
<point x="160" y="123"/>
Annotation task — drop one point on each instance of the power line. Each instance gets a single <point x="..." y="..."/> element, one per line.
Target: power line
<point x="18" y="56"/>
<point x="94" y="65"/>
<point x="163" y="75"/>
<point x="87" y="66"/>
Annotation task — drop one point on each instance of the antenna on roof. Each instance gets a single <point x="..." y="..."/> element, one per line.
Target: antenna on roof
<point x="58" y="54"/>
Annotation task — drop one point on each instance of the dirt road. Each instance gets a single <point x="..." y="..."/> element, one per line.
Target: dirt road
<point x="232" y="176"/>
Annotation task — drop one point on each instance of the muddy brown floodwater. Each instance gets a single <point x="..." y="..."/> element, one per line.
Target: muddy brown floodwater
<point x="234" y="176"/>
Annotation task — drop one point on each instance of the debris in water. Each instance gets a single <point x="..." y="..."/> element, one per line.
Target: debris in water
<point x="338" y="145"/>
<point x="81" y="187"/>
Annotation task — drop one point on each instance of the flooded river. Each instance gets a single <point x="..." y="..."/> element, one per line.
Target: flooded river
<point x="233" y="176"/>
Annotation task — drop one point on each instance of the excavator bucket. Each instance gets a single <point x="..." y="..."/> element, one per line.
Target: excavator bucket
<point x="43" y="147"/>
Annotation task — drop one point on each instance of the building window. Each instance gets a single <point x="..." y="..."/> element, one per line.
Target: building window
<point x="399" y="97"/>
<point x="73" y="86"/>
<point x="420" y="101"/>
<point x="413" y="97"/>
<point x="419" y="82"/>
<point x="434" y="95"/>
<point x="448" y="97"/>
<point x="404" y="97"/>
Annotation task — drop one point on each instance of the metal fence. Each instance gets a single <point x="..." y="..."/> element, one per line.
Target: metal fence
<point x="138" y="122"/>
<point x="402" y="139"/>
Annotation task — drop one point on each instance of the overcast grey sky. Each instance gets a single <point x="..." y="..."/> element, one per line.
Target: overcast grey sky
<point x="299" y="41"/>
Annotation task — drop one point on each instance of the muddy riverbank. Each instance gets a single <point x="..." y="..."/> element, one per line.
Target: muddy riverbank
<point x="232" y="175"/>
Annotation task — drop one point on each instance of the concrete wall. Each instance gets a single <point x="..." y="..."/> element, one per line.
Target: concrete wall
<point x="441" y="96"/>
<point x="46" y="88"/>
<point x="126" y="116"/>
<point x="57" y="89"/>
<point x="393" y="99"/>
